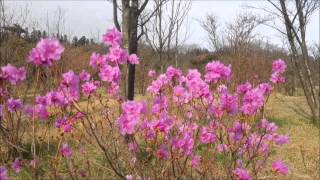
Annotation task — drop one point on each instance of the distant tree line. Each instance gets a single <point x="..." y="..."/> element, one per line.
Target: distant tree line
<point x="35" y="35"/>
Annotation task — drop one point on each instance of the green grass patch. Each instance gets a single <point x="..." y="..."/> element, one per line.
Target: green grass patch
<point x="278" y="121"/>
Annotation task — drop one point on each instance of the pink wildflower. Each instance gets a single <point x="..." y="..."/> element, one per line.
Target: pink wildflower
<point x="152" y="73"/>
<point x="133" y="59"/>
<point x="14" y="104"/>
<point x="279" y="167"/>
<point x="216" y="71"/>
<point x="129" y="118"/>
<point x="279" y="66"/>
<point x="112" y="37"/>
<point x="89" y="88"/>
<point x="163" y="152"/>
<point x="3" y="173"/>
<point x="195" y="161"/>
<point x="110" y="74"/>
<point x="281" y="140"/>
<point x="46" y="52"/>
<point x="65" y="151"/>
<point x="12" y="74"/>
<point x="252" y="101"/>
<point x="118" y="55"/>
<point x="241" y="174"/>
<point x="243" y="88"/>
<point x="207" y="137"/>
<point x="97" y="60"/>
<point x="17" y="165"/>
<point x="84" y="76"/>
<point x="173" y="72"/>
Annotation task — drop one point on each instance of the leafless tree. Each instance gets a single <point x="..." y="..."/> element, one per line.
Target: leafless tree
<point x="210" y="25"/>
<point x="240" y="33"/>
<point x="55" y="22"/>
<point x="295" y="16"/>
<point x="163" y="32"/>
<point x="132" y="11"/>
<point x="237" y="35"/>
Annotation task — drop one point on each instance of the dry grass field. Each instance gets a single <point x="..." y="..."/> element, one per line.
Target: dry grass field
<point x="303" y="153"/>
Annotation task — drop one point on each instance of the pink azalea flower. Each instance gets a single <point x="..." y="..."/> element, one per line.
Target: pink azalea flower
<point x="97" y="60"/>
<point x="173" y="72"/>
<point x="279" y="66"/>
<point x="64" y="124"/>
<point x="238" y="130"/>
<point x="277" y="78"/>
<point x="65" y="151"/>
<point x="163" y="152"/>
<point x="17" y="165"/>
<point x="252" y="101"/>
<point x="133" y="59"/>
<point x="12" y="74"/>
<point x="243" y="88"/>
<point x="279" y="167"/>
<point x="270" y="128"/>
<point x="14" y="104"/>
<point x="3" y="173"/>
<point x="84" y="76"/>
<point x="131" y="112"/>
<point x="152" y="73"/>
<point x="70" y="79"/>
<point x="89" y="88"/>
<point x="82" y="173"/>
<point x="41" y="100"/>
<point x="1" y="110"/>
<point x="241" y="174"/>
<point x="184" y="145"/>
<point x="129" y="177"/>
<point x="266" y="88"/>
<point x="55" y="98"/>
<point x="216" y="111"/>
<point x="180" y="95"/>
<point x="46" y="52"/>
<point x="38" y="111"/>
<point x="281" y="140"/>
<point x="197" y="87"/>
<point x="112" y="37"/>
<point x="118" y="55"/>
<point x="158" y="84"/>
<point x="163" y="125"/>
<point x="216" y="71"/>
<point x="110" y="74"/>
<point x="229" y="103"/>
<point x="207" y="137"/>
<point x="195" y="162"/>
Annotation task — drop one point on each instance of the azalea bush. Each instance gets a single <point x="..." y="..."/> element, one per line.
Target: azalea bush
<point x="188" y="126"/>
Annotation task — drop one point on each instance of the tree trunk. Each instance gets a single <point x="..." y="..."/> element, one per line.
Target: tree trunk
<point x="303" y="70"/>
<point x="130" y="40"/>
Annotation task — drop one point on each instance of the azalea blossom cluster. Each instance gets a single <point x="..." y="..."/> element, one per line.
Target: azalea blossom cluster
<point x="108" y="64"/>
<point x="46" y="52"/>
<point x="208" y="114"/>
<point x="12" y="74"/>
<point x="71" y="88"/>
<point x="189" y="120"/>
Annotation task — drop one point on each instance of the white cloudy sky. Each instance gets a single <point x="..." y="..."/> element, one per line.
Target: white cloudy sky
<point x="91" y="18"/>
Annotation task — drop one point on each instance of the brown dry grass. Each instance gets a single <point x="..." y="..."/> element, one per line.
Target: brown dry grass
<point x="302" y="155"/>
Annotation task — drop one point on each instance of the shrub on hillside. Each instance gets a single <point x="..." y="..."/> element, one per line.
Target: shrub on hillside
<point x="192" y="125"/>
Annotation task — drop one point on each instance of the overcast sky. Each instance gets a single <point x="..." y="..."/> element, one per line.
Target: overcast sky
<point x="92" y="18"/>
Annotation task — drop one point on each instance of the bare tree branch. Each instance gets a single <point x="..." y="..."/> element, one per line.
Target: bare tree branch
<point x="115" y="15"/>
